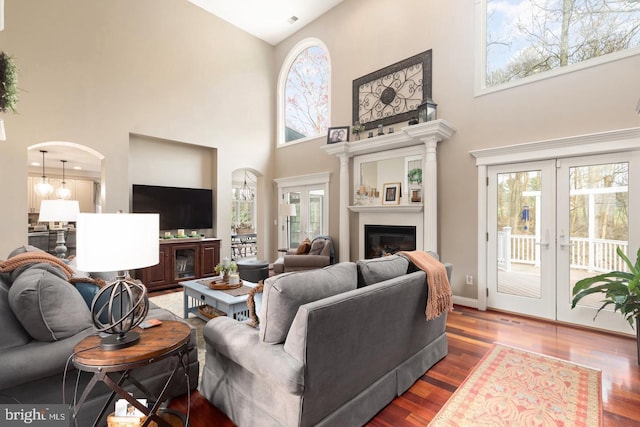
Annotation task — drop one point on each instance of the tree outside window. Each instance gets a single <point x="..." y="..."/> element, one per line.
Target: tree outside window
<point x="528" y="37"/>
<point x="306" y="95"/>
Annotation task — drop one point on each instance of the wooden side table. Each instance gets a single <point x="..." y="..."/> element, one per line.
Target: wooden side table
<point x="168" y="340"/>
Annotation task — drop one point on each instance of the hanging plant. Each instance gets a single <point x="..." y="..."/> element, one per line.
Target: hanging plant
<point x="8" y="84"/>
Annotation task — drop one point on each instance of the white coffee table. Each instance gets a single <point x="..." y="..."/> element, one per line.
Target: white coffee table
<point x="196" y="294"/>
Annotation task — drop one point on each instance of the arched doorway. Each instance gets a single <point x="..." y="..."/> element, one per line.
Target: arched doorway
<point x="75" y="167"/>
<point x="244" y="205"/>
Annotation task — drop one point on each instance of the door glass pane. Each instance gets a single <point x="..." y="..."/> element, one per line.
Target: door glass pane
<point x="598" y="222"/>
<point x="518" y="233"/>
<point x="294" y="237"/>
<point x="316" y="207"/>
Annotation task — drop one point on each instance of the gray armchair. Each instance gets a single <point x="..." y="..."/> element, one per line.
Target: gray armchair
<point x="320" y="255"/>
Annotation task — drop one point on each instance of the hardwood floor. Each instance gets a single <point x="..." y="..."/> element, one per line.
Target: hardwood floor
<point x="471" y="333"/>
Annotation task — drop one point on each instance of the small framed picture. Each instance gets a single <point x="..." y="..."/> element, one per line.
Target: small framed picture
<point x="391" y="193"/>
<point x="415" y="194"/>
<point x="338" y="134"/>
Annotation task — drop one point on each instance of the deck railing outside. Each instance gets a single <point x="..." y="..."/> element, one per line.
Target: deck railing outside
<point x="598" y="255"/>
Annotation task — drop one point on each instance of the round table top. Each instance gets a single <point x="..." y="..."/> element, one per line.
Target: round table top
<point x="155" y="343"/>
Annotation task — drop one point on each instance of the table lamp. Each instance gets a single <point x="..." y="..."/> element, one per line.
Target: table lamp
<point x="63" y="211"/>
<point x="118" y="242"/>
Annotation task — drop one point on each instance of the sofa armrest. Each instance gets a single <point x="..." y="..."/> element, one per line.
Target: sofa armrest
<point x="240" y="343"/>
<point x="296" y="262"/>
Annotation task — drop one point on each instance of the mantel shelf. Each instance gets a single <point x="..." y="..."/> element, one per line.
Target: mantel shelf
<point x="437" y="130"/>
<point x="387" y="208"/>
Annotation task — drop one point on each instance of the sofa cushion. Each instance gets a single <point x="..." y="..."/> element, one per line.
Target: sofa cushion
<point x="48" y="307"/>
<point x="17" y="251"/>
<point x="22" y="249"/>
<point x="304" y="247"/>
<point x="317" y="246"/>
<point x="13" y="334"/>
<point x="377" y="270"/>
<point x="283" y="294"/>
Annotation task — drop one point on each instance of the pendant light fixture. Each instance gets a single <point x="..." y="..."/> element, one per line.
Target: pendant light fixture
<point x="63" y="192"/>
<point x="246" y="192"/>
<point x="43" y="188"/>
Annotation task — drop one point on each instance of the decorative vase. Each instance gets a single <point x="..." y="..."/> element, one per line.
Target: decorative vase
<point x="225" y="277"/>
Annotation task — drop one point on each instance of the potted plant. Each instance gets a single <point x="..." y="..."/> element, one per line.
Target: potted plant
<point x="8" y="84"/>
<point x="356" y="129"/>
<point x="225" y="268"/>
<point x="620" y="288"/>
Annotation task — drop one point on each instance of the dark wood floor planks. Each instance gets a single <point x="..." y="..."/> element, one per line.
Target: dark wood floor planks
<point x="471" y="333"/>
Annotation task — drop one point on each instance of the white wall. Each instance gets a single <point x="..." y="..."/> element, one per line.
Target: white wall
<point x="95" y="72"/>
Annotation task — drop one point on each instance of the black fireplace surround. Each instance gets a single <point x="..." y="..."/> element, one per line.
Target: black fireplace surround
<point x="382" y="240"/>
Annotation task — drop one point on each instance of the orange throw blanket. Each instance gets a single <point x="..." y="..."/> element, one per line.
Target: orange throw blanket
<point x="440" y="297"/>
<point x="34" y="257"/>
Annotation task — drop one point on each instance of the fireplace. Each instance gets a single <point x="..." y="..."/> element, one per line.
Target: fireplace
<point x="381" y="240"/>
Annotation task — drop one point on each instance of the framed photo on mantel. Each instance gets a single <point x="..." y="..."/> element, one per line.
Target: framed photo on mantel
<point x="338" y="134"/>
<point x="391" y="193"/>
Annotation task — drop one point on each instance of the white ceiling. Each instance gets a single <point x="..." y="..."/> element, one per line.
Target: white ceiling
<point x="268" y="19"/>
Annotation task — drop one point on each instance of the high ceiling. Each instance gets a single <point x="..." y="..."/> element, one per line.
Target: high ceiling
<point x="269" y="20"/>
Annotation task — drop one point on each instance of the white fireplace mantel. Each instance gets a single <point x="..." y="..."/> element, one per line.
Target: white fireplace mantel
<point x="426" y="135"/>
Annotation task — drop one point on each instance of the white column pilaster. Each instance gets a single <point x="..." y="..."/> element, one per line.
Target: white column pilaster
<point x="430" y="199"/>
<point x="344" y="252"/>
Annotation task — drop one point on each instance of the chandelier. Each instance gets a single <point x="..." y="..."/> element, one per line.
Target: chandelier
<point x="43" y="188"/>
<point x="246" y="192"/>
<point x="62" y="191"/>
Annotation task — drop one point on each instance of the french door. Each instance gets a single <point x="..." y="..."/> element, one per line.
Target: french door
<point x="311" y="214"/>
<point x="553" y="223"/>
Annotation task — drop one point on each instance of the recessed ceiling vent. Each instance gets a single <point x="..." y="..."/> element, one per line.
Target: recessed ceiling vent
<point x="293" y="19"/>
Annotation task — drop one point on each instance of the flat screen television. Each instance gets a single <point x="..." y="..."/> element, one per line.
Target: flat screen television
<point x="187" y="208"/>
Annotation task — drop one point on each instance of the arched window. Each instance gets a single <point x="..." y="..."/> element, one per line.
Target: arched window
<point x="303" y="88"/>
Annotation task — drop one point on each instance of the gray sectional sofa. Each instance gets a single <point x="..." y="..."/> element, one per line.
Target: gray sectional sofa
<point x="43" y="317"/>
<point x="334" y="346"/>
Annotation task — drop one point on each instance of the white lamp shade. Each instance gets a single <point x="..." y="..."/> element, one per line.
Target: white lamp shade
<point x="117" y="242"/>
<point x="287" y="209"/>
<point x="59" y="210"/>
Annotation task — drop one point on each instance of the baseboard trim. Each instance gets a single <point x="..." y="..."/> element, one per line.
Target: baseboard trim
<point x="465" y="301"/>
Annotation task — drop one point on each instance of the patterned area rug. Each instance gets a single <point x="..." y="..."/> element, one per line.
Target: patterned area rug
<point x="174" y="302"/>
<point x="511" y="387"/>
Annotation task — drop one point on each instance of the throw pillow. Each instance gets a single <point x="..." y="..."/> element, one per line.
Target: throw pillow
<point x="13" y="334"/>
<point x="48" y="307"/>
<point x="283" y="294"/>
<point x="377" y="270"/>
<point x="317" y="246"/>
<point x="304" y="247"/>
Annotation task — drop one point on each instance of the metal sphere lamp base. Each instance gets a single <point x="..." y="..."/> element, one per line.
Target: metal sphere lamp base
<point x="116" y="309"/>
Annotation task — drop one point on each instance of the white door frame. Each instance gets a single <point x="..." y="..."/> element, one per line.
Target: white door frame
<point x="595" y="143"/>
<point x="319" y="180"/>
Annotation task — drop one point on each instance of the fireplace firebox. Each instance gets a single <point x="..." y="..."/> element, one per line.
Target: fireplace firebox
<point x="382" y="240"/>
